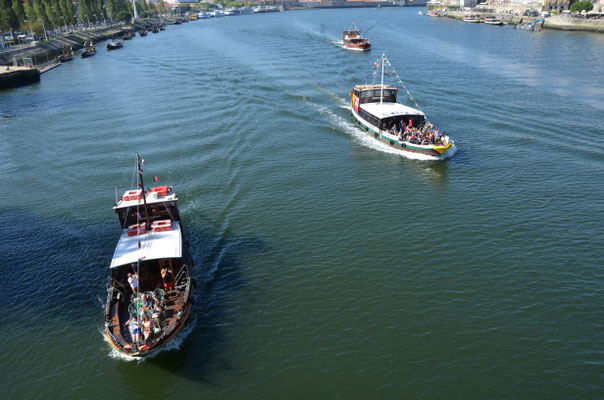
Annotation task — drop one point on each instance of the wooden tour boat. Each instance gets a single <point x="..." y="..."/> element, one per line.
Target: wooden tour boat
<point x="472" y="19"/>
<point x="152" y="242"/>
<point x="493" y="21"/>
<point x="353" y="39"/>
<point x="67" y="55"/>
<point x="375" y="110"/>
<point x="115" y="44"/>
<point x="89" y="50"/>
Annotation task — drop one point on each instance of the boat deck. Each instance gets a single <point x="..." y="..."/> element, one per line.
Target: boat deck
<point x="119" y="315"/>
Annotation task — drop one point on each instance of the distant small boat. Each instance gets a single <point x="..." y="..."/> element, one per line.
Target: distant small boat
<point x="89" y="50"/>
<point x="472" y="19"/>
<point x="231" y="12"/>
<point x="433" y="14"/>
<point x="204" y="15"/>
<point x="162" y="27"/>
<point x="65" y="57"/>
<point x="493" y="21"/>
<point x="142" y="32"/>
<point x="115" y="44"/>
<point x="155" y="29"/>
<point x="178" y="21"/>
<point x="67" y="54"/>
<point x="266" y="9"/>
<point x="353" y="39"/>
<point x="129" y="35"/>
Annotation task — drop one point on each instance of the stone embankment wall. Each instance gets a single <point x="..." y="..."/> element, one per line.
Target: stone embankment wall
<point x="557" y="22"/>
<point x="574" y="24"/>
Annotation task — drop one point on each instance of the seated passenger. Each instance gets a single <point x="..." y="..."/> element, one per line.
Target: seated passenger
<point x="147" y="302"/>
<point x="147" y="325"/>
<point x="135" y="329"/>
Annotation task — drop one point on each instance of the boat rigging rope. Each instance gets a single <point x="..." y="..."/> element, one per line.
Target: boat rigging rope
<point x="376" y="65"/>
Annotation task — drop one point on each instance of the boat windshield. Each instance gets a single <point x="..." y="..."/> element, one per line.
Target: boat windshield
<point x="373" y="96"/>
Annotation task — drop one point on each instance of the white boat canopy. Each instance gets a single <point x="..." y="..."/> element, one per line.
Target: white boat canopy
<point x="386" y="110"/>
<point x="154" y="245"/>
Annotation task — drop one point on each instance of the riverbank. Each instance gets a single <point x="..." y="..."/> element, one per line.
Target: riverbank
<point x="558" y="22"/>
<point x="44" y="53"/>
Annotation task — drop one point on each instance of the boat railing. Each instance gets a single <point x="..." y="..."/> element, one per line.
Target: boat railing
<point x="182" y="273"/>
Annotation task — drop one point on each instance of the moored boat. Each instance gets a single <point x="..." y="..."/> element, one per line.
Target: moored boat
<point x="376" y="110"/>
<point x="67" y="55"/>
<point x="493" y="21"/>
<point x="128" y="35"/>
<point x="472" y="19"/>
<point x="151" y="290"/>
<point x="89" y="50"/>
<point x="115" y="44"/>
<point x="143" y="32"/>
<point x="353" y="39"/>
<point x="433" y="14"/>
<point x="155" y="29"/>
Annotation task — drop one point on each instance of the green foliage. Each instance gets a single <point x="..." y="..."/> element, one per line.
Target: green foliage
<point x="8" y="18"/>
<point x="124" y="16"/>
<point x="579" y="6"/>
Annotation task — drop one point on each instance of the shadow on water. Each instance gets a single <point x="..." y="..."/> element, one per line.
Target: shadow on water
<point x="219" y="276"/>
<point x="65" y="273"/>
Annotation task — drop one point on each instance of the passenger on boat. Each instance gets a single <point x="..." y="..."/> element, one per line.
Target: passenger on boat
<point x="168" y="279"/>
<point x="135" y="329"/>
<point x="147" y="302"/>
<point x="133" y="281"/>
<point x="147" y="325"/>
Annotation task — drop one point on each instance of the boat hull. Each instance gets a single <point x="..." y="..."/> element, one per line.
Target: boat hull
<point x="142" y="352"/>
<point x="358" y="46"/>
<point x="88" y="53"/>
<point x="430" y="150"/>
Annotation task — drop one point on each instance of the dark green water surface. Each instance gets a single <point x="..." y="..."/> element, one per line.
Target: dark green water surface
<point x="328" y="266"/>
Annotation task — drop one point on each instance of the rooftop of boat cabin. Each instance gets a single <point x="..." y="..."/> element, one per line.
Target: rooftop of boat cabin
<point x="153" y="245"/>
<point x="132" y="198"/>
<point x="387" y="110"/>
<point x="373" y="87"/>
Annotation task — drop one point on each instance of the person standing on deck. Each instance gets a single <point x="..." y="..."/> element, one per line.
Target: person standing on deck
<point x="133" y="281"/>
<point x="168" y="278"/>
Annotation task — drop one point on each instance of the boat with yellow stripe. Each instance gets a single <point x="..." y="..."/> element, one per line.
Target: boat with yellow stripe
<point x="376" y="110"/>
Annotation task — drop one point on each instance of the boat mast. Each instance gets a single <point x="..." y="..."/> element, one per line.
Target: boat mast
<point x="140" y="175"/>
<point x="382" y="85"/>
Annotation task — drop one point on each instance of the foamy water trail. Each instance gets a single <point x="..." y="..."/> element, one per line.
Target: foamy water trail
<point x="361" y="137"/>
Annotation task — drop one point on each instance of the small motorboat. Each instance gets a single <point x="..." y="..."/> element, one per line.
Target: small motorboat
<point x="353" y="40"/>
<point x="142" y="32"/>
<point x="162" y="27"/>
<point x="155" y="29"/>
<point x="115" y="44"/>
<point x="129" y="35"/>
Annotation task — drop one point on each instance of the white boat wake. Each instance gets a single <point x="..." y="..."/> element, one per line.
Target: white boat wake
<point x="361" y="137"/>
